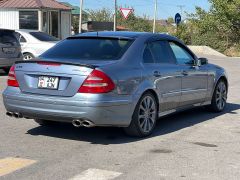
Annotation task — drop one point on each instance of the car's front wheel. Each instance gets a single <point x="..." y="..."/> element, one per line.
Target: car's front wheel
<point x="219" y="99"/>
<point x="144" y="117"/>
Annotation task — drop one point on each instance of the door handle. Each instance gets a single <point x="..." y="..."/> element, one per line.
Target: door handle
<point x="185" y="73"/>
<point x="157" y="74"/>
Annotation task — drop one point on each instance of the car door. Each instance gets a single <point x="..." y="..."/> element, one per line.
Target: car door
<point x="164" y="73"/>
<point x="194" y="77"/>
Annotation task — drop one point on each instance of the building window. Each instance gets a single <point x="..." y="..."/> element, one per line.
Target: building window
<point x="45" y="22"/>
<point x="28" y="20"/>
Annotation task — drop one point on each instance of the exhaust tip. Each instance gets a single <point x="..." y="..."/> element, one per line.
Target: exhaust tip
<point x="77" y="123"/>
<point x="9" y="114"/>
<point x="17" y="115"/>
<point x="88" y="124"/>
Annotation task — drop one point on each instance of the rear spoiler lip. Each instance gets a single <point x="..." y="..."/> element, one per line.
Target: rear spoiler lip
<point x="65" y="63"/>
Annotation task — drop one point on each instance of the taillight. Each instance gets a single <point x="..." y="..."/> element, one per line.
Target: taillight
<point x="97" y="82"/>
<point x="12" y="81"/>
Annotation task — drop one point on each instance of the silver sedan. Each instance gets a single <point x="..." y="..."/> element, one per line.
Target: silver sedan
<point x="121" y="79"/>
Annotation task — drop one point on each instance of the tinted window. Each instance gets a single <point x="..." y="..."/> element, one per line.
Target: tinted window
<point x="20" y="38"/>
<point x="182" y="56"/>
<point x="43" y="36"/>
<point x="147" y="55"/>
<point x="28" y="20"/>
<point x="157" y="52"/>
<point x="8" y="38"/>
<point x="89" y="49"/>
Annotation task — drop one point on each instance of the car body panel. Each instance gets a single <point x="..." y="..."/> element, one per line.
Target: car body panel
<point x="33" y="45"/>
<point x="175" y="90"/>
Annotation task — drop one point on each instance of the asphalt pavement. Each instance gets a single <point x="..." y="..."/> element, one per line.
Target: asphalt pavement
<point x="195" y="144"/>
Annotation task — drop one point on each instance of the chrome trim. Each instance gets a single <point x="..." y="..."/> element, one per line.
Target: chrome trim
<point x="189" y="91"/>
<point x="171" y="94"/>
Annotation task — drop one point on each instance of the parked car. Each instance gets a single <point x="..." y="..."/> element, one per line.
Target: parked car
<point x="34" y="43"/>
<point x="122" y="79"/>
<point x="10" y="49"/>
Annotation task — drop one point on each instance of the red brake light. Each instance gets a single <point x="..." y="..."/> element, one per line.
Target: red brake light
<point x="12" y="81"/>
<point x="97" y="82"/>
<point x="49" y="63"/>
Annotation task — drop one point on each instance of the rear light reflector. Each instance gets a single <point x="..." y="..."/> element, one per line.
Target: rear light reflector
<point x="97" y="82"/>
<point x="12" y="81"/>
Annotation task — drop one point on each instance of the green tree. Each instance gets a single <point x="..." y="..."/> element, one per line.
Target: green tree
<point x="218" y="28"/>
<point x="101" y="15"/>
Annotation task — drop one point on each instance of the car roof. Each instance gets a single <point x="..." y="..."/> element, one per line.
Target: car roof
<point x="126" y="34"/>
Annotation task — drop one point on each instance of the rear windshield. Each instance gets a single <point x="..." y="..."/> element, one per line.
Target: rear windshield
<point x="89" y="49"/>
<point x="8" y="38"/>
<point x="43" y="36"/>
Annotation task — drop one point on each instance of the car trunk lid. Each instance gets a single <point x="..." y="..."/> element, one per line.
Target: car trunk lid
<point x="51" y="78"/>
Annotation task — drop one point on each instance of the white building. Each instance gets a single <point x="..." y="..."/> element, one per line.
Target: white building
<point x="48" y="16"/>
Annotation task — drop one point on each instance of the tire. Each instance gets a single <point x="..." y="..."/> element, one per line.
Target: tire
<point x="144" y="117"/>
<point x="27" y="56"/>
<point x="44" y="122"/>
<point x="219" y="99"/>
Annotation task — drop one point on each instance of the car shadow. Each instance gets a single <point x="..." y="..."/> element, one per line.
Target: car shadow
<point x="110" y="135"/>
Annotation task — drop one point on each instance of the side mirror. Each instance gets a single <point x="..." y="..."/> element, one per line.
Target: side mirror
<point x="202" y="61"/>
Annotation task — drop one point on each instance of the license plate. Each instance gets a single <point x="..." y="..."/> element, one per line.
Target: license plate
<point x="9" y="50"/>
<point x="47" y="82"/>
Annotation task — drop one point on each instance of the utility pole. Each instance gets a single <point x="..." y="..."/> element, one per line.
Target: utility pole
<point x="80" y="16"/>
<point x="115" y="15"/>
<point x="155" y="17"/>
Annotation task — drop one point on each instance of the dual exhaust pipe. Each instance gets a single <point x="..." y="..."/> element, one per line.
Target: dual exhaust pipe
<point x="80" y="122"/>
<point x="76" y="122"/>
<point x="14" y="114"/>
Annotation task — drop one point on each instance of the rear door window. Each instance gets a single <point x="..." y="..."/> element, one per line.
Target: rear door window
<point x="43" y="36"/>
<point x="89" y="48"/>
<point x="20" y="38"/>
<point x="157" y="52"/>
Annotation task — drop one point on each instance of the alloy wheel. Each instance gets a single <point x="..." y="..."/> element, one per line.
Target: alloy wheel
<point x="147" y="114"/>
<point x="221" y="95"/>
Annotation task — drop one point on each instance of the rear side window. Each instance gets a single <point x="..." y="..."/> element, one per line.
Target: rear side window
<point x="43" y="36"/>
<point x="8" y="38"/>
<point x="20" y="38"/>
<point x="89" y="49"/>
<point x="157" y="52"/>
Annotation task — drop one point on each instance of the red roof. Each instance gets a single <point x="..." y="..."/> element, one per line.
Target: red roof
<point x="33" y="4"/>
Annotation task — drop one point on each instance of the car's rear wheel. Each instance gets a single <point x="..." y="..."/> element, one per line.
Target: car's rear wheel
<point x="27" y="56"/>
<point x="144" y="117"/>
<point x="43" y="122"/>
<point x="219" y="99"/>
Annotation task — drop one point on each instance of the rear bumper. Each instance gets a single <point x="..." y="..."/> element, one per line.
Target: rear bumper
<point x="8" y="62"/>
<point x="115" y="112"/>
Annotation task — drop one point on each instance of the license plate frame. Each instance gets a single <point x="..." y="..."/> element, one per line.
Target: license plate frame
<point x="48" y="82"/>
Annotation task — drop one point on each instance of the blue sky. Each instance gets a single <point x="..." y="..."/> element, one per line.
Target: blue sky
<point x="167" y="8"/>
